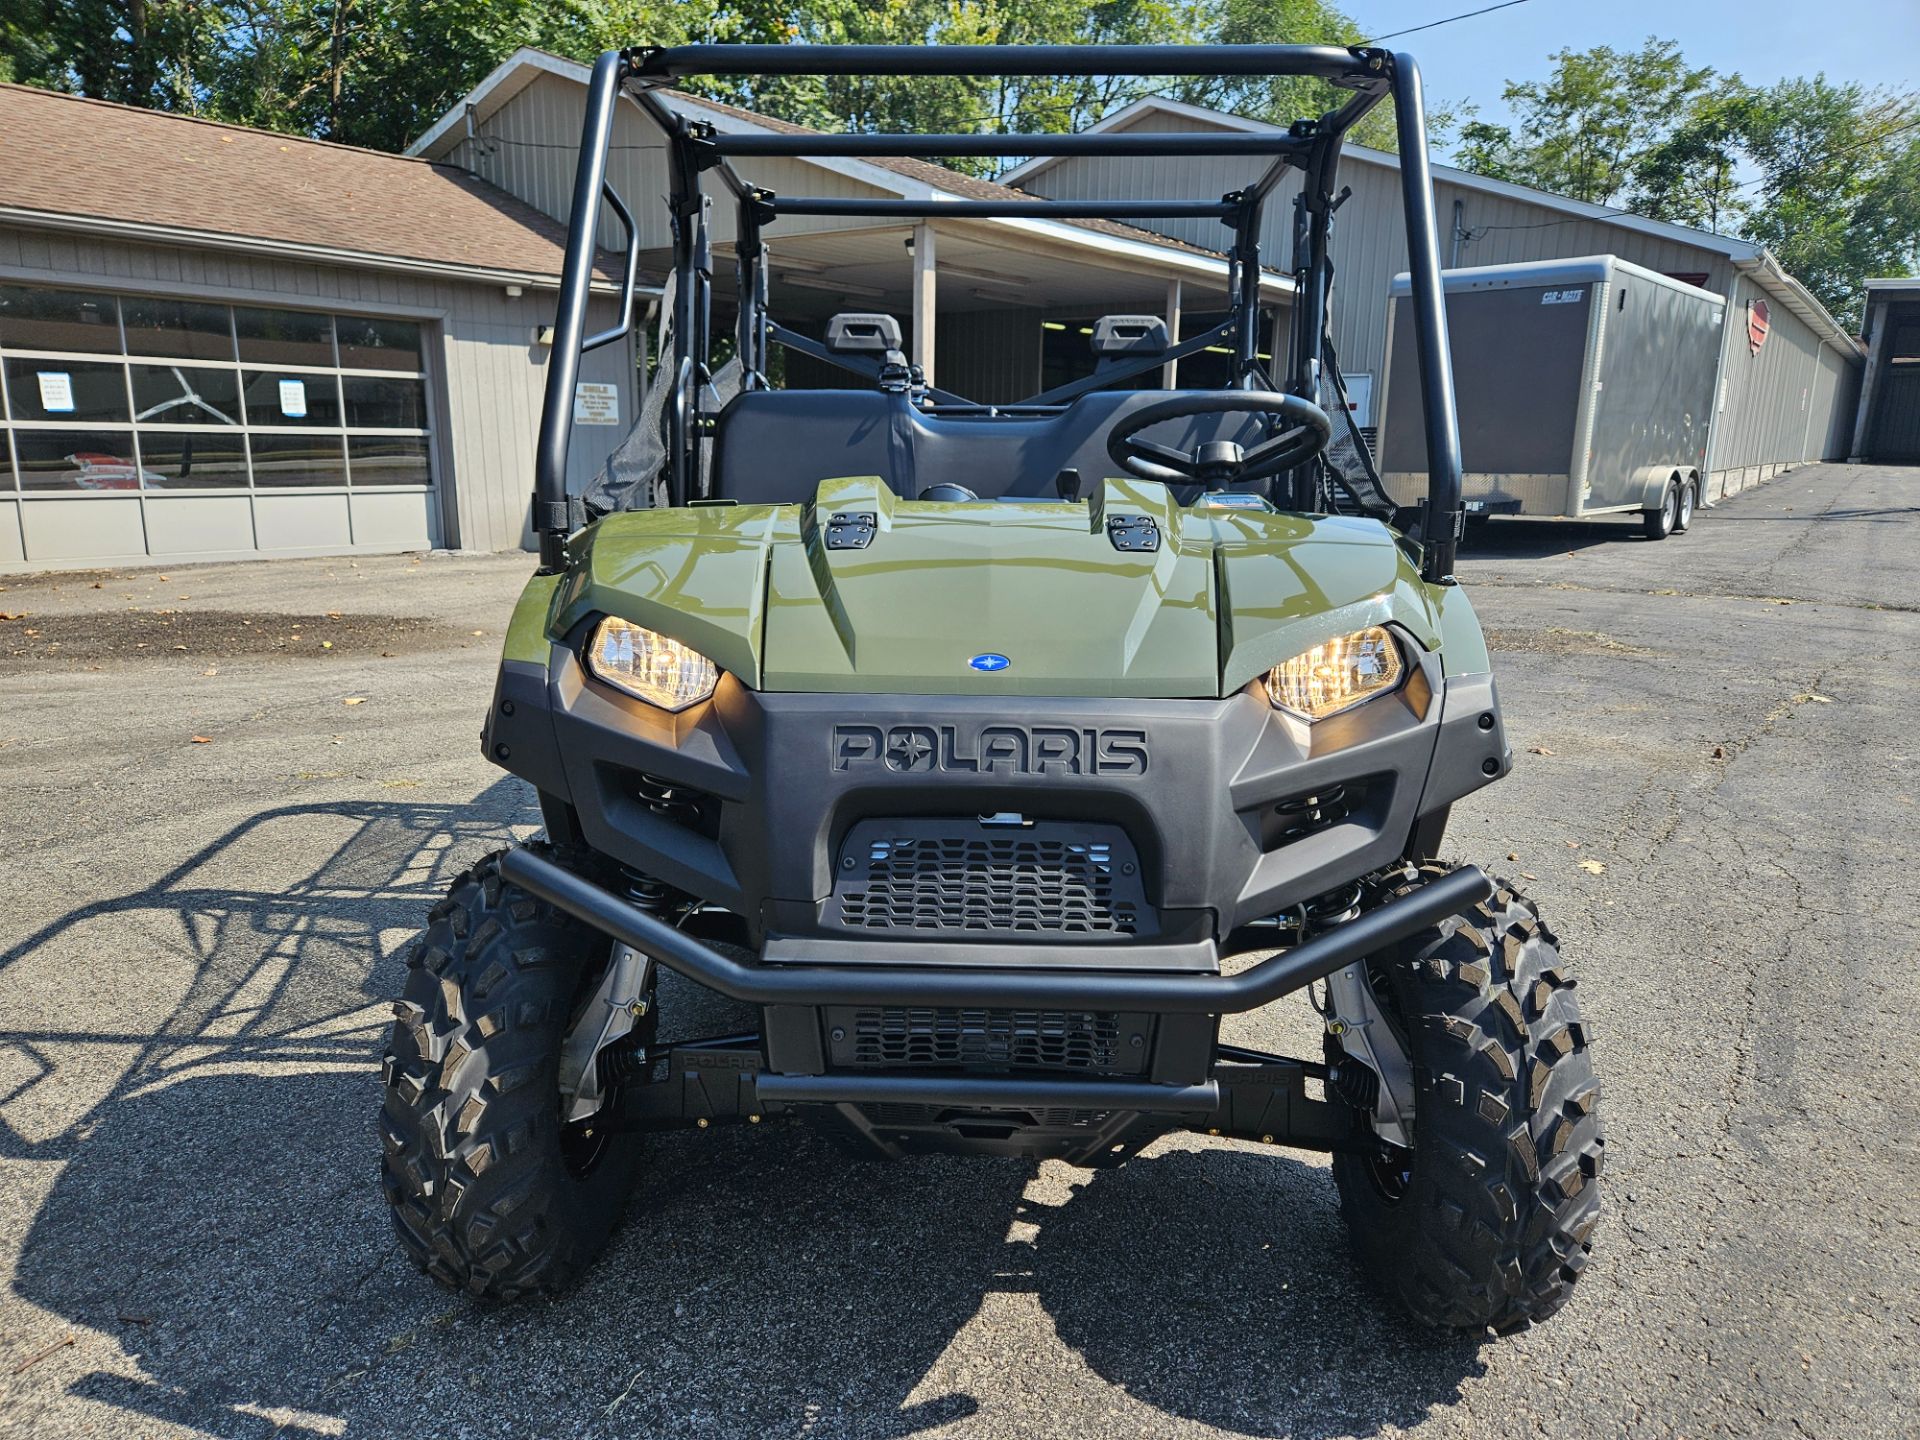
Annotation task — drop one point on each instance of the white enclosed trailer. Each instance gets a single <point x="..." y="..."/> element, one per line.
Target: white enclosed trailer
<point x="1585" y="386"/>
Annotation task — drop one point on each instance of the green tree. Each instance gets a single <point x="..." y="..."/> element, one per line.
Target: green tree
<point x="1837" y="198"/>
<point x="1581" y="131"/>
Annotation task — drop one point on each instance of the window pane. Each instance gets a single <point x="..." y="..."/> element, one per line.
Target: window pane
<point x="69" y="390"/>
<point x="385" y="404"/>
<point x="198" y="460"/>
<point x="285" y="337"/>
<point x="297" y="460"/>
<point x="185" y="395"/>
<point x="379" y="344"/>
<point x="177" y="327"/>
<point x="389" y="460"/>
<point x="32" y="319"/>
<point x="76" y="459"/>
<point x="278" y="399"/>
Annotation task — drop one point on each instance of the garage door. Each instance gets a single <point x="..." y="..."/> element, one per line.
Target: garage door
<point x="141" y="426"/>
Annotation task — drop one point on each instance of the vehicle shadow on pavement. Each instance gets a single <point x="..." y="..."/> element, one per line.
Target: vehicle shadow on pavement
<point x="217" y="1214"/>
<point x="1216" y="1284"/>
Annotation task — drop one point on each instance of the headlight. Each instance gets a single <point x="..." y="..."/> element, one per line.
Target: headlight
<point x="649" y="666"/>
<point x="1338" y="675"/>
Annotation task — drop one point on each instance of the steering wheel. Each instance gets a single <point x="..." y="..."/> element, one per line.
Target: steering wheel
<point x="1220" y="462"/>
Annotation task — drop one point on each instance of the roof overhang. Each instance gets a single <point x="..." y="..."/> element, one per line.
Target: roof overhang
<point x="520" y="69"/>
<point x="145" y="232"/>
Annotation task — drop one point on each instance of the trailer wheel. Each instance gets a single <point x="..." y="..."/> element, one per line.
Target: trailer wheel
<point x="1659" y="524"/>
<point x="1688" y="499"/>
<point x="490" y="1192"/>
<point x="1487" y="1222"/>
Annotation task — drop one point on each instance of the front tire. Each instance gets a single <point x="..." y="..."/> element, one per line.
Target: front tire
<point x="489" y="1192"/>
<point x="1488" y="1221"/>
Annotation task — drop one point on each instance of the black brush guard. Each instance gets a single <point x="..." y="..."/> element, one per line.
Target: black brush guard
<point x="1255" y="1096"/>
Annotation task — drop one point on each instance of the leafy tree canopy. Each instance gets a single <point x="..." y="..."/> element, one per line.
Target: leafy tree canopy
<point x="378" y="72"/>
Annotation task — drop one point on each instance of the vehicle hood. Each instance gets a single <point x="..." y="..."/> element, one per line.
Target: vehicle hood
<point x="1228" y="593"/>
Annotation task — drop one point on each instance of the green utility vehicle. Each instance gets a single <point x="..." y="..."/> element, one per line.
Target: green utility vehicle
<point x="980" y="749"/>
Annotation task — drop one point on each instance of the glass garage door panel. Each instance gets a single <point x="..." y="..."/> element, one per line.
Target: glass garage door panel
<point x="184" y="329"/>
<point x="82" y="460"/>
<point x="69" y="391"/>
<point x="274" y="397"/>
<point x="209" y="427"/>
<point x="36" y="319"/>
<point x="376" y="402"/>
<point x="284" y="337"/>
<point x="390" y="460"/>
<point x="367" y="344"/>
<point x="306" y="460"/>
<point x="193" y="460"/>
<point x="186" y="395"/>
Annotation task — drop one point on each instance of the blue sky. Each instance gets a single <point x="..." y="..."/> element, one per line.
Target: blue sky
<point x="1876" y="42"/>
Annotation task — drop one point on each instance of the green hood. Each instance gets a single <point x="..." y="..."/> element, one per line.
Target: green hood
<point x="1228" y="593"/>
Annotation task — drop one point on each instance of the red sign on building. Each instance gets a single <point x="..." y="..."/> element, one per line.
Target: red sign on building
<point x="1759" y="323"/>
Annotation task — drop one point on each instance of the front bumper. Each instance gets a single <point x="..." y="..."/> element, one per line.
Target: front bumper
<point x="1187" y="817"/>
<point x="1089" y="1115"/>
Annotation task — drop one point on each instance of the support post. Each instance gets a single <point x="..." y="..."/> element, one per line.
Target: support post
<point x="1428" y="302"/>
<point x="924" y="294"/>
<point x="1170" y="372"/>
<point x="552" y="517"/>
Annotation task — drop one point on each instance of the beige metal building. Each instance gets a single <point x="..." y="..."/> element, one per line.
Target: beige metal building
<point x="1785" y="398"/>
<point x="218" y="343"/>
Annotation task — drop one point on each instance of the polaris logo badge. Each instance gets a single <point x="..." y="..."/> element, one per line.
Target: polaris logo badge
<point x="992" y="749"/>
<point x="990" y="661"/>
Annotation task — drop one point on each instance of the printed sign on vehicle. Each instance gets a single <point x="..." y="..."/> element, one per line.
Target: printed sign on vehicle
<point x="596" y="404"/>
<point x="1563" y="297"/>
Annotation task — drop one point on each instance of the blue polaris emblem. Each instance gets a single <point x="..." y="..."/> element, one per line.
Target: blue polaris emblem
<point x="990" y="661"/>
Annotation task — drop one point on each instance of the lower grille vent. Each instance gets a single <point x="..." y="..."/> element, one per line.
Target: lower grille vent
<point x="900" y="1037"/>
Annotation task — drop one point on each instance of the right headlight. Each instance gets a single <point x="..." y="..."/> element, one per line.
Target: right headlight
<point x="1337" y="675"/>
<point x="649" y="666"/>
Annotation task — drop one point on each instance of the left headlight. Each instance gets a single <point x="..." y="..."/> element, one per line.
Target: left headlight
<point x="1338" y="675"/>
<point x="649" y="666"/>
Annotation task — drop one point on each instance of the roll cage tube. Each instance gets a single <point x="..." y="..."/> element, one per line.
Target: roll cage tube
<point x="1311" y="146"/>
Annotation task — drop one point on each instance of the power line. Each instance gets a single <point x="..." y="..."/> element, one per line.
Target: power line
<point x="1436" y="24"/>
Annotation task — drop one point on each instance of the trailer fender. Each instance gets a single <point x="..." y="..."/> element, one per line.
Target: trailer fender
<point x="1652" y="482"/>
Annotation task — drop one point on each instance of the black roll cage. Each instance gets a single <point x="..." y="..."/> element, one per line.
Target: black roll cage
<point x="1311" y="146"/>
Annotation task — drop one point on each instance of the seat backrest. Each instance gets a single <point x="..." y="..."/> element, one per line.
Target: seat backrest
<point x="776" y="446"/>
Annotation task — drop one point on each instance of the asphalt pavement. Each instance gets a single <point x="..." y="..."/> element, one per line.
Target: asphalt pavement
<point x="228" y="794"/>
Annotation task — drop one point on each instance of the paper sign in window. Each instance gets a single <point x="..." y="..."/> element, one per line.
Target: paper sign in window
<point x="56" y="392"/>
<point x="293" y="399"/>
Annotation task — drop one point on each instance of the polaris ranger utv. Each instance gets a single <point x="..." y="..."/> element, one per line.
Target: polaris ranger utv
<point x="969" y="743"/>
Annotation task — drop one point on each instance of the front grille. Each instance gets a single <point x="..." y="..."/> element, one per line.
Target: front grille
<point x="962" y="878"/>
<point x="902" y="1037"/>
